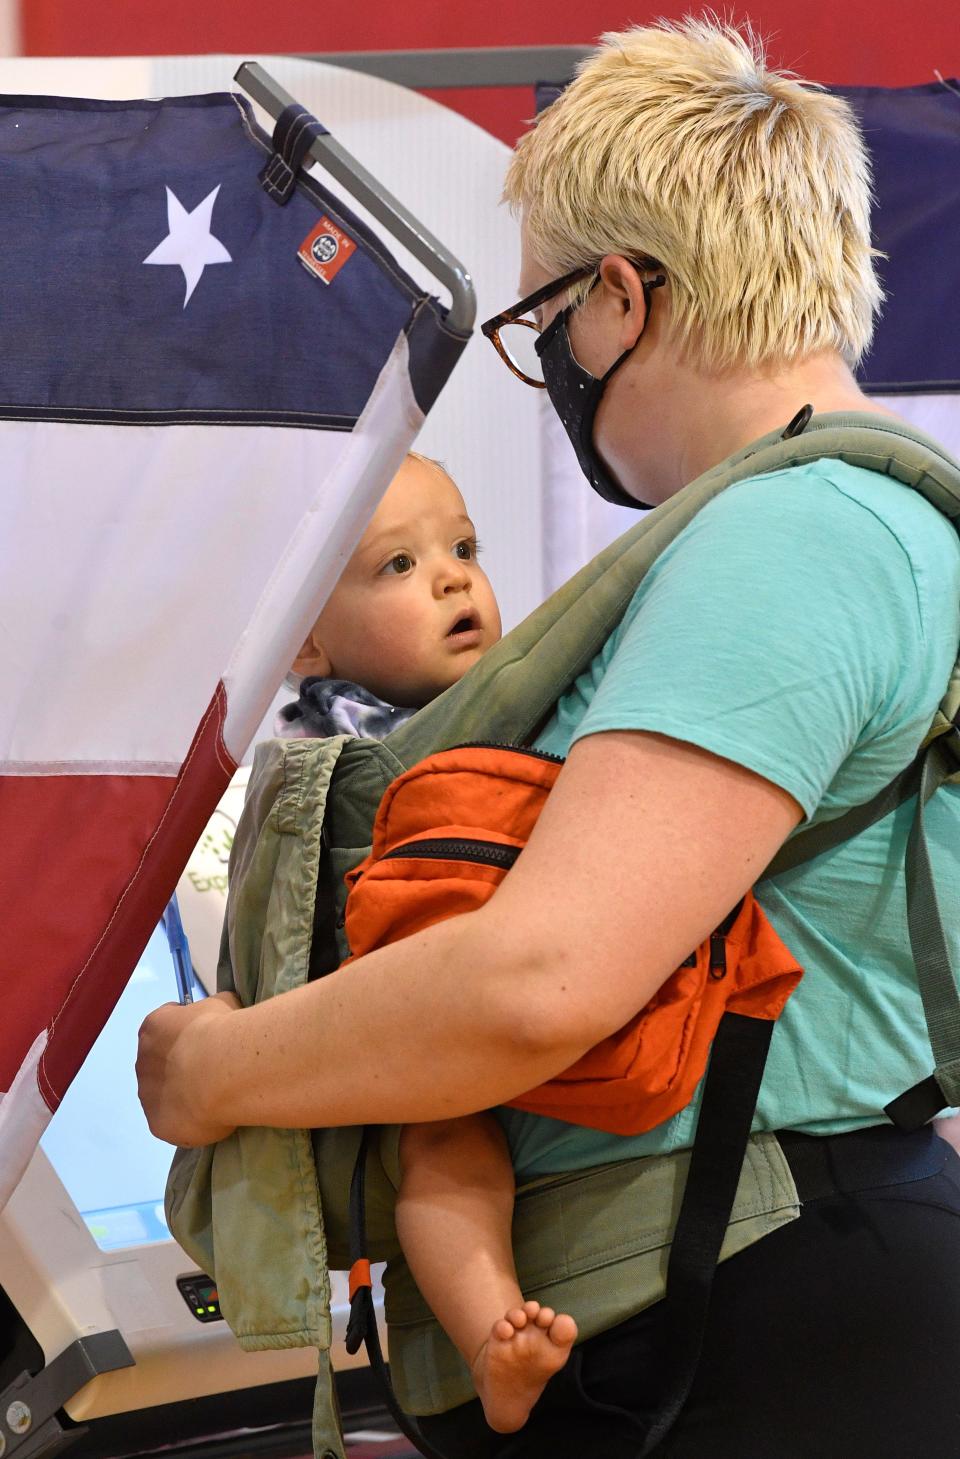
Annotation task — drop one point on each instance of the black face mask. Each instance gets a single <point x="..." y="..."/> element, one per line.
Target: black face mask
<point x="575" y="395"/>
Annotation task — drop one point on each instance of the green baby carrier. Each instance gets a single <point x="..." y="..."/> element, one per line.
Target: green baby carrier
<point x="268" y="1212"/>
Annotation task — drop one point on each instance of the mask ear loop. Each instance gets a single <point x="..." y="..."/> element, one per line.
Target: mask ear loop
<point x="648" y="288"/>
<point x="560" y="321"/>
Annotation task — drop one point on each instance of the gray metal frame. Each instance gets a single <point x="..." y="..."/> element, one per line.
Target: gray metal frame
<point x="480" y="66"/>
<point x="381" y="204"/>
<point x="29" y="1427"/>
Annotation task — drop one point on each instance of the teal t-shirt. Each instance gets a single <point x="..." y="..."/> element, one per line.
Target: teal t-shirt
<point x="803" y="625"/>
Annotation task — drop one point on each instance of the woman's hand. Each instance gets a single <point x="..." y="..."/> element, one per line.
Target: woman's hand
<point x="173" y="1070"/>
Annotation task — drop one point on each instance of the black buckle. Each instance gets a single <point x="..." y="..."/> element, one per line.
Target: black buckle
<point x="916" y="1107"/>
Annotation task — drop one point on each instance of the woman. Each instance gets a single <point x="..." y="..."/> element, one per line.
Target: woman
<point x="696" y="242"/>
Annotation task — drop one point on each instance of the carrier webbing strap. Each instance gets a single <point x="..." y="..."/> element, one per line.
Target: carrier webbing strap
<point x="931" y="955"/>
<point x="730" y="1092"/>
<point x="815" y="840"/>
<point x="934" y="764"/>
<point x="362" y="1323"/>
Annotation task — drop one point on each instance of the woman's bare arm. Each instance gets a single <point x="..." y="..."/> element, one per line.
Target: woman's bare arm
<point x="643" y="847"/>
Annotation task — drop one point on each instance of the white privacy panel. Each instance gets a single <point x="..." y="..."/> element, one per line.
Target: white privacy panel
<point x="577" y="523"/>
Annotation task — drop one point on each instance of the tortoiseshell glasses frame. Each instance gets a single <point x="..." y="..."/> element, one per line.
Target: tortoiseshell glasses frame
<point x="491" y="329"/>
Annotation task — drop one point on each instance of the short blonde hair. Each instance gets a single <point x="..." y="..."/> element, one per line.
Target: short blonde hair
<point x="675" y="143"/>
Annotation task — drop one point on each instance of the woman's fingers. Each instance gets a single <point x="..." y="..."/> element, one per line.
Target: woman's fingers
<point x="173" y="1066"/>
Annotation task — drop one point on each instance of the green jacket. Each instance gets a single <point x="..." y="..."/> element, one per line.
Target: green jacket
<point x="264" y="1211"/>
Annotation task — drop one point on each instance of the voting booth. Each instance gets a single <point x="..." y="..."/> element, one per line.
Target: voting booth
<point x="105" y="1322"/>
<point x="90" y="1278"/>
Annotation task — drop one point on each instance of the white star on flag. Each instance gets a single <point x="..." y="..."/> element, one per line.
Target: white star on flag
<point x="190" y="244"/>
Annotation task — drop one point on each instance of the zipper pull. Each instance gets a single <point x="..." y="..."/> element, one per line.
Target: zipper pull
<point x="718" y="956"/>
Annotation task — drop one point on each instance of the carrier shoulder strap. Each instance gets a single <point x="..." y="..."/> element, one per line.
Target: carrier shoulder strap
<point x="515" y="686"/>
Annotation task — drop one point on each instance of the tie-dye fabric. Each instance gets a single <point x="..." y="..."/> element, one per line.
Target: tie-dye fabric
<point x="337" y="707"/>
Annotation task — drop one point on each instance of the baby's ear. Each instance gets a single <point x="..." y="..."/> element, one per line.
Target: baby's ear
<point x="312" y="658"/>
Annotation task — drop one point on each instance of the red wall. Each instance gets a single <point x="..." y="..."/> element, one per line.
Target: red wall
<point x="859" y="42"/>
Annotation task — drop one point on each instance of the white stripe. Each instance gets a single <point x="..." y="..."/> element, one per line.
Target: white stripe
<point x="938" y="415"/>
<point x="23" y="1118"/>
<point x="578" y="524"/>
<point x="55" y="768"/>
<point x="138" y="562"/>
<point x="319" y="547"/>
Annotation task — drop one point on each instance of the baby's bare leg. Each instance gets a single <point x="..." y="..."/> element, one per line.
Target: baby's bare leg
<point x="454" y="1217"/>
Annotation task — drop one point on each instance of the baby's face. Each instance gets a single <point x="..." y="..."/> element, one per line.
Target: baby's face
<point x="413" y="610"/>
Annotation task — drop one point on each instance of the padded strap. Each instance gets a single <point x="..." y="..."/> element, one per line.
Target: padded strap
<point x="293" y="134"/>
<point x="730" y="1092"/>
<point x="516" y="685"/>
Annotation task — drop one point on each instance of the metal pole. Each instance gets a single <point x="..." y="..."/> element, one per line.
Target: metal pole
<point x="383" y="206"/>
<point x="449" y="67"/>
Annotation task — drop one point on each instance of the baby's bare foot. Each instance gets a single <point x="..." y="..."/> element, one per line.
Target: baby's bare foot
<point x="523" y="1351"/>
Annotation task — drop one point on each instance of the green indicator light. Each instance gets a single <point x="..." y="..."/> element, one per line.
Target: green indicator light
<point x="211" y="1309"/>
<point x="199" y="1311"/>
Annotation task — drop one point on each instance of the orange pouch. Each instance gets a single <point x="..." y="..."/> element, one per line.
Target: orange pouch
<point x="446" y="834"/>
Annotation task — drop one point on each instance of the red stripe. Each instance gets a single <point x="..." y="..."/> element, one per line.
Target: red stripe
<point x="87" y="864"/>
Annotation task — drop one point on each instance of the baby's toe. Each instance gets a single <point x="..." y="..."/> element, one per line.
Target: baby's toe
<point x="545" y="1316"/>
<point x="563" y="1330"/>
<point x="503" y="1329"/>
<point x="517" y="1317"/>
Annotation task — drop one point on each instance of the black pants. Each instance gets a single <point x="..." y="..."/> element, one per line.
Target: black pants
<point x="836" y="1337"/>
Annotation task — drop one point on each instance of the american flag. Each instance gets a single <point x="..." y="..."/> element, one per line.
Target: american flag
<point x="203" y="393"/>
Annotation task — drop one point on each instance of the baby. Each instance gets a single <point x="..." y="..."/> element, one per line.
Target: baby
<point x="412" y="612"/>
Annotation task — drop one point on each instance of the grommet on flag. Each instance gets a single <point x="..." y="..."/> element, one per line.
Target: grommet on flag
<point x="295" y="130"/>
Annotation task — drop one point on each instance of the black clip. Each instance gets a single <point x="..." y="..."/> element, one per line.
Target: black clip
<point x="951" y="738"/>
<point x="293" y="136"/>
<point x="799" y="423"/>
<point x="914" y="1108"/>
<point x="358" y="1321"/>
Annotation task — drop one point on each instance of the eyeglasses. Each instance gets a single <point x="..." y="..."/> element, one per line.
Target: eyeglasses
<point x="514" y="338"/>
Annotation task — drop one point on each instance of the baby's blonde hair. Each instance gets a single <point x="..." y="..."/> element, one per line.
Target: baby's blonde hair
<point x="429" y="461"/>
<point x="675" y="143"/>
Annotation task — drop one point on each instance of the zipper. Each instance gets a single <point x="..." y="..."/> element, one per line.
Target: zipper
<point x="486" y="853"/>
<point x="517" y="750"/>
